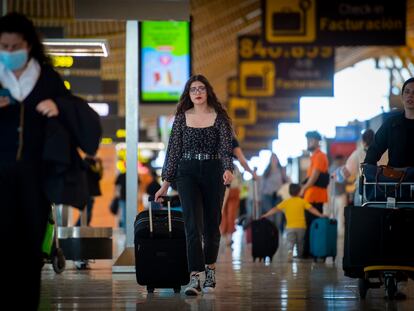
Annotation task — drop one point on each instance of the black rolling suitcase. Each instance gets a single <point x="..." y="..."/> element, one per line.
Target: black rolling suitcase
<point x="265" y="236"/>
<point x="377" y="236"/>
<point x="265" y="239"/>
<point x="160" y="249"/>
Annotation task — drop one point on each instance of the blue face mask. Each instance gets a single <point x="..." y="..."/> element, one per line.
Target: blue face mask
<point x="14" y="60"/>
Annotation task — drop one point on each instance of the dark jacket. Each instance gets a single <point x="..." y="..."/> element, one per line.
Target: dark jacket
<point x="392" y="135"/>
<point x="66" y="173"/>
<point x="50" y="144"/>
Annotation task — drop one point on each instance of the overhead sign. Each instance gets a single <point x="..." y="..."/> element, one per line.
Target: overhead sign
<point x="334" y="22"/>
<point x="164" y="59"/>
<point x="350" y="133"/>
<point x="242" y="110"/>
<point x="284" y="70"/>
<point x="261" y="131"/>
<point x="287" y="21"/>
<point x="278" y="110"/>
<point x="233" y="86"/>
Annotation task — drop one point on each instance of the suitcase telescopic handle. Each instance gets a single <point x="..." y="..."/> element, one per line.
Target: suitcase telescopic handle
<point x="165" y="198"/>
<point x="255" y="201"/>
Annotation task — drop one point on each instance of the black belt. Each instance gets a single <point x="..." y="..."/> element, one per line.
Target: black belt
<point x="200" y="156"/>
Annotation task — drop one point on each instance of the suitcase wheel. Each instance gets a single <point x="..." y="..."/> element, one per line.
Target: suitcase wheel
<point x="177" y="290"/>
<point x="58" y="261"/>
<point x="150" y="289"/>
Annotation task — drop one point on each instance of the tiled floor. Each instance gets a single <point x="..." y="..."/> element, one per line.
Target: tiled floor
<point x="241" y="285"/>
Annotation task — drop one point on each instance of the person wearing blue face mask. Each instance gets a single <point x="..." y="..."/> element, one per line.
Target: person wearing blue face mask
<point x="36" y="103"/>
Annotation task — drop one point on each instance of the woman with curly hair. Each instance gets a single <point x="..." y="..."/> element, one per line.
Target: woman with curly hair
<point x="199" y="161"/>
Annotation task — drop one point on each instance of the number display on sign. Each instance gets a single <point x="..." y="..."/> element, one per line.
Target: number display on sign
<point x="254" y="49"/>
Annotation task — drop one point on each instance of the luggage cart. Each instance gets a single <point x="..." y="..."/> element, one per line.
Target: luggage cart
<point x="390" y="191"/>
<point x="388" y="276"/>
<point x="51" y="250"/>
<point x="392" y="195"/>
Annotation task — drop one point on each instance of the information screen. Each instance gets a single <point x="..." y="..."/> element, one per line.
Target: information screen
<point x="165" y="60"/>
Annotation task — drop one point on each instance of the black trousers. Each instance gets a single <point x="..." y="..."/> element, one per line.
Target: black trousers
<point x="309" y="218"/>
<point x="25" y="212"/>
<point x="201" y="190"/>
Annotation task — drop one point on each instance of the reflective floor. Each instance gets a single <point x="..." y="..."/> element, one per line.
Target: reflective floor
<point x="241" y="285"/>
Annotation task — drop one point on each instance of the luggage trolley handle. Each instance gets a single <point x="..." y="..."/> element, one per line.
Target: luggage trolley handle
<point x="165" y="198"/>
<point x="255" y="201"/>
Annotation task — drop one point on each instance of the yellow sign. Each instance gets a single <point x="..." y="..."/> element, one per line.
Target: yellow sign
<point x="240" y="132"/>
<point x="233" y="86"/>
<point x="242" y="111"/>
<point x="62" y="61"/>
<point x="288" y="21"/>
<point x="257" y="78"/>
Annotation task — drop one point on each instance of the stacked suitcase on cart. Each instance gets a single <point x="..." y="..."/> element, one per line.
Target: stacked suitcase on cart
<point x="379" y="233"/>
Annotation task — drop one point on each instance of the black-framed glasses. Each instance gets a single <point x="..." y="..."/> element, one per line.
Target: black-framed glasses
<point x="201" y="89"/>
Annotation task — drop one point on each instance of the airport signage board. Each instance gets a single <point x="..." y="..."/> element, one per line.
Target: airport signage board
<point x="334" y="22"/>
<point x="278" y="110"/>
<point x="165" y="64"/>
<point x="284" y="70"/>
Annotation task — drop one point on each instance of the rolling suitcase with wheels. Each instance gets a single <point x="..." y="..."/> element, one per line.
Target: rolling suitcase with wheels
<point x="377" y="236"/>
<point x="323" y="236"/>
<point x="264" y="234"/>
<point x="160" y="248"/>
<point x="265" y="239"/>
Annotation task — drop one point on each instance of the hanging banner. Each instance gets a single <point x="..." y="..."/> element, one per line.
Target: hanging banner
<point x="284" y="70"/>
<point x="334" y="22"/>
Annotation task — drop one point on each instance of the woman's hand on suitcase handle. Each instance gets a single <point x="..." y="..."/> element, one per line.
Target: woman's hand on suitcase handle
<point x="227" y="177"/>
<point x="162" y="191"/>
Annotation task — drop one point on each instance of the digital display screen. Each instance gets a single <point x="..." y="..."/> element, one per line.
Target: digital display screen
<point x="165" y="60"/>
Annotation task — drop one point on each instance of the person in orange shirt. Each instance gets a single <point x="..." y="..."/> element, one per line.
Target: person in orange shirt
<point x="313" y="194"/>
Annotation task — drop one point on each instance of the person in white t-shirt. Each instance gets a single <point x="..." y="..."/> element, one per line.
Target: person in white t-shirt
<point x="351" y="167"/>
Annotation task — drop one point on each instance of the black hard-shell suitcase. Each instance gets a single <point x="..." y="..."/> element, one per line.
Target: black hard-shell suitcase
<point x="265" y="239"/>
<point x="377" y="236"/>
<point x="265" y="236"/>
<point x="160" y="249"/>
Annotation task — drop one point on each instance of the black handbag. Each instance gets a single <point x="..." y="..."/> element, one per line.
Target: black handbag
<point x="322" y="181"/>
<point x="114" y="206"/>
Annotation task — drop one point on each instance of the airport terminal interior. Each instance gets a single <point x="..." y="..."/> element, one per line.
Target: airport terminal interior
<point x="281" y="69"/>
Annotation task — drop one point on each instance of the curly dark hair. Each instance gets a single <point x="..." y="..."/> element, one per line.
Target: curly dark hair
<point x="18" y="23"/>
<point x="185" y="102"/>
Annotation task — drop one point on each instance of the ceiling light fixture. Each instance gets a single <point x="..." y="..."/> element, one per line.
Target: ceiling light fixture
<point x="77" y="47"/>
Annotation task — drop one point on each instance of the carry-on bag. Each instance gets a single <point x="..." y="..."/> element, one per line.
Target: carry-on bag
<point x="323" y="232"/>
<point x="377" y="236"/>
<point x="160" y="248"/>
<point x="323" y="236"/>
<point x="264" y="233"/>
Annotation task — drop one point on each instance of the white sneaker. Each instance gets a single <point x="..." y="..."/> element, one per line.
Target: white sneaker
<point x="193" y="288"/>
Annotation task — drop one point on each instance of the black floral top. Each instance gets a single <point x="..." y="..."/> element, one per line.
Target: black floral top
<point x="215" y="139"/>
